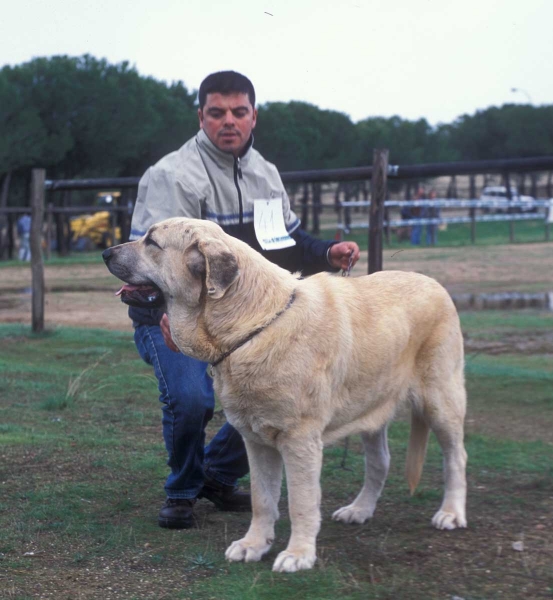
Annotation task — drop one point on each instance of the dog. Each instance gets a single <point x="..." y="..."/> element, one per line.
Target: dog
<point x="300" y="363"/>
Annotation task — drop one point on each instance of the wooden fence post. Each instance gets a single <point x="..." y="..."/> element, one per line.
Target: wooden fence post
<point x="37" y="267"/>
<point x="317" y="203"/>
<point x="11" y="241"/>
<point x="379" y="190"/>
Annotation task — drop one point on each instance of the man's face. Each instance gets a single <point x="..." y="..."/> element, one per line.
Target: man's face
<point x="228" y="121"/>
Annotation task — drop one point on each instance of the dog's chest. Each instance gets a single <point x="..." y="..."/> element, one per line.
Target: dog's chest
<point x="255" y="416"/>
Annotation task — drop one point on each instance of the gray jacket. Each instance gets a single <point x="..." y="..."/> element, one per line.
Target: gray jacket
<point x="202" y="182"/>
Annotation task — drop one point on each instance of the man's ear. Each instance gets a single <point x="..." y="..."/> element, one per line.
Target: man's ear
<point x="221" y="268"/>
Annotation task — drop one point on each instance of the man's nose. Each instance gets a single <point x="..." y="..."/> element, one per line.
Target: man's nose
<point x="229" y="118"/>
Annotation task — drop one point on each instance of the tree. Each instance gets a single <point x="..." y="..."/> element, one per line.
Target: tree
<point x="509" y="131"/>
<point x="82" y="117"/>
<point x="408" y="141"/>
<point x="298" y="136"/>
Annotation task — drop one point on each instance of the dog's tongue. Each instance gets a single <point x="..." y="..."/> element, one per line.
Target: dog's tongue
<point x="143" y="296"/>
<point x="132" y="288"/>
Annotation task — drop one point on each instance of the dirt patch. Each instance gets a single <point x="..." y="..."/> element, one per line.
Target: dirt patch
<point x="539" y="342"/>
<point x="77" y="296"/>
<point x="481" y="269"/>
<point x="397" y="549"/>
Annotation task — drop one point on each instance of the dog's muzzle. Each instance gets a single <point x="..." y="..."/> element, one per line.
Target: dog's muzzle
<point x="145" y="295"/>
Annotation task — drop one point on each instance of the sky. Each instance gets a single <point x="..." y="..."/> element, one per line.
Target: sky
<point x="432" y="59"/>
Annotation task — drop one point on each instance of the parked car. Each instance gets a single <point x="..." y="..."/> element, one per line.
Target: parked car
<point x="497" y="194"/>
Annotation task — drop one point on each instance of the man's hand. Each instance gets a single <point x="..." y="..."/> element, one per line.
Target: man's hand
<point x="339" y="254"/>
<point x="166" y="332"/>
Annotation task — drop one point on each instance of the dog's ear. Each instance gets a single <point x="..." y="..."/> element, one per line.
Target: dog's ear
<point x="220" y="266"/>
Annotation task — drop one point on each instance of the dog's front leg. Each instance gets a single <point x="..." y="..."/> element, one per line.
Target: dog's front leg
<point x="266" y="480"/>
<point x="302" y="460"/>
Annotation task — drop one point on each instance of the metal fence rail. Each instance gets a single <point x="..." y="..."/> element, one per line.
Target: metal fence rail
<point x="447" y="203"/>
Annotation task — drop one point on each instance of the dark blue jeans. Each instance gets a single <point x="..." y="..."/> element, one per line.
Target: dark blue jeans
<point x="416" y="232"/>
<point x="186" y="393"/>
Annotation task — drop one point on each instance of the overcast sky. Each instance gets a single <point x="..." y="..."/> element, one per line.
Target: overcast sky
<point x="436" y="59"/>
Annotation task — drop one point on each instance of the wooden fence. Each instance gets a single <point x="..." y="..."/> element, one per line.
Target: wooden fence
<point x="379" y="174"/>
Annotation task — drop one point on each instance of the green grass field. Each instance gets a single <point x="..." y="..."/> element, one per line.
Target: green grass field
<point x="486" y="234"/>
<point x="83" y="467"/>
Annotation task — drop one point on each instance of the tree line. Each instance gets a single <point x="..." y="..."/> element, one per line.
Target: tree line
<point x="81" y="117"/>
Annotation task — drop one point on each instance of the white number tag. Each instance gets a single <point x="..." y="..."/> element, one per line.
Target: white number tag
<point x="268" y="222"/>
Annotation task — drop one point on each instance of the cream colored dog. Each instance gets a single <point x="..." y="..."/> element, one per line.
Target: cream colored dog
<point x="303" y="363"/>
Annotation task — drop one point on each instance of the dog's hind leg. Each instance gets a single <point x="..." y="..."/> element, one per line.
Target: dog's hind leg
<point x="377" y="463"/>
<point x="266" y="479"/>
<point x="446" y="419"/>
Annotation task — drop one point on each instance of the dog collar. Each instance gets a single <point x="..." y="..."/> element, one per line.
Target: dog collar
<point x="256" y="331"/>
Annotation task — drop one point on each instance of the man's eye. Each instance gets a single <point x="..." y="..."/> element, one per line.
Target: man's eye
<point x="240" y="113"/>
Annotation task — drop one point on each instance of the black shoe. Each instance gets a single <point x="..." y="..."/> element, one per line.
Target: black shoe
<point x="177" y="513"/>
<point x="226" y="497"/>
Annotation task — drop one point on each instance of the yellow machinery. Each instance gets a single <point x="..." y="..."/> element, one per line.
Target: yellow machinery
<point x="96" y="228"/>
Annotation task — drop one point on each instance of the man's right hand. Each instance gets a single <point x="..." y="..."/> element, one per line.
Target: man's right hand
<point x="166" y="332"/>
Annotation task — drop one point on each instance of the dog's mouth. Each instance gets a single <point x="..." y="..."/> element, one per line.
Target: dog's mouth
<point x="141" y="296"/>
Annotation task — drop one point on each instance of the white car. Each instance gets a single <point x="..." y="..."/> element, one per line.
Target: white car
<point x="497" y="195"/>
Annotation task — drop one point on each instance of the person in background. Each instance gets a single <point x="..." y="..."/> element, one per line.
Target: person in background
<point x="217" y="175"/>
<point x="24" y="235"/>
<point x="417" y="212"/>
<point x="432" y="212"/>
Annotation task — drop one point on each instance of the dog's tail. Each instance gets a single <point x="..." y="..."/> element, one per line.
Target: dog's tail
<point x="416" y="451"/>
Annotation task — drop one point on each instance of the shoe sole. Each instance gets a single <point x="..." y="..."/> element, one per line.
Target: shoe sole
<point x="177" y="523"/>
<point x="222" y="506"/>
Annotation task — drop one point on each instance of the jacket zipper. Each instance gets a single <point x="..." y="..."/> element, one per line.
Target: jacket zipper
<point x="238" y="173"/>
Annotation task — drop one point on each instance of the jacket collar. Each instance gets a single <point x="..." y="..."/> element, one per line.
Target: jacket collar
<point x="220" y="157"/>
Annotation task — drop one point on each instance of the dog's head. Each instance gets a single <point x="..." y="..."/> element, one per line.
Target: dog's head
<point x="178" y="260"/>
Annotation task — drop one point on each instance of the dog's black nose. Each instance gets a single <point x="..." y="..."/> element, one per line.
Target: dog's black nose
<point x="107" y="254"/>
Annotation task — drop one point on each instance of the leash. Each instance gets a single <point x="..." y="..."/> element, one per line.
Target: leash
<point x="254" y="333"/>
<point x="346" y="272"/>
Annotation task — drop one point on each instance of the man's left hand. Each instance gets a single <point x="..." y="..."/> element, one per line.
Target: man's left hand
<point x="339" y="254"/>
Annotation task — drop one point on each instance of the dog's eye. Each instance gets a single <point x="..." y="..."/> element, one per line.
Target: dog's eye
<point x="151" y="242"/>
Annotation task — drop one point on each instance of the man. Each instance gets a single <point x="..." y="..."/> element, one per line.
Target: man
<point x="218" y="176"/>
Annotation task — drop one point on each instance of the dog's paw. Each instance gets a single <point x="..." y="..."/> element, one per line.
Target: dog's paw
<point x="448" y="520"/>
<point x="290" y="562"/>
<point x="246" y="551"/>
<point x="352" y="514"/>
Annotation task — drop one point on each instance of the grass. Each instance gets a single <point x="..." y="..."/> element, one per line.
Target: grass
<point x="487" y="234"/>
<point x="83" y="472"/>
<point x="75" y="258"/>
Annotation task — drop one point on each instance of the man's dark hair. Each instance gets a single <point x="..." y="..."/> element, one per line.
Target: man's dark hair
<point x="226" y="82"/>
